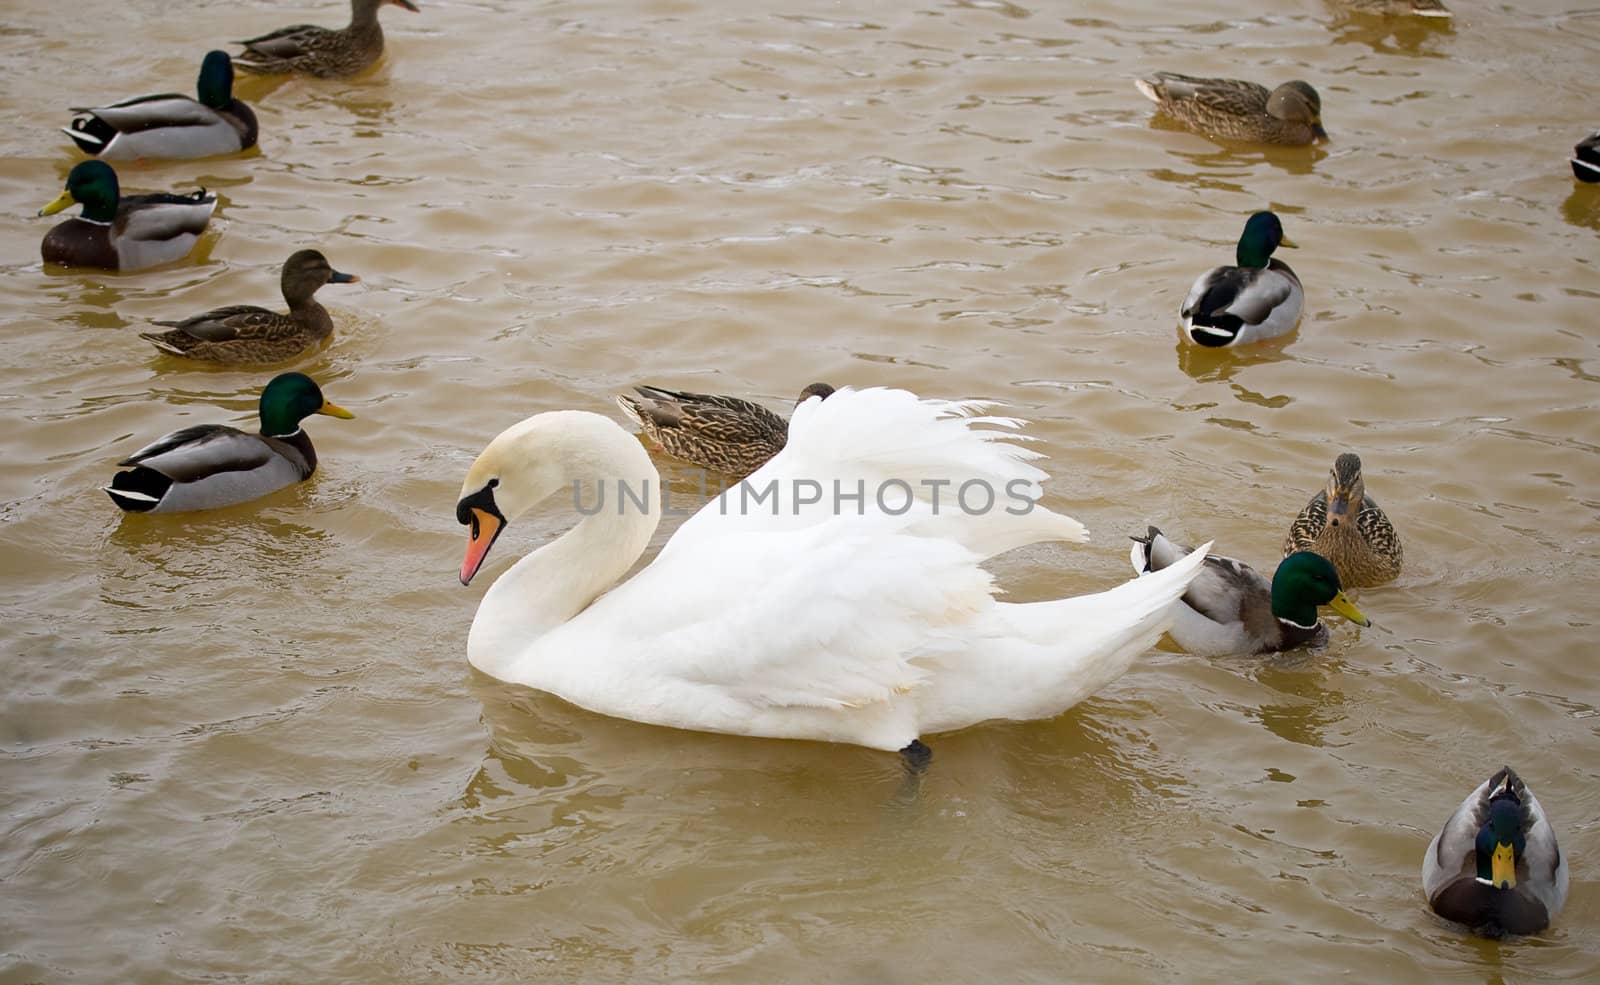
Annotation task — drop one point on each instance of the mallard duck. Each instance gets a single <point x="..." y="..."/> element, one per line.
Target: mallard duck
<point x="321" y="51"/>
<point x="1258" y="299"/>
<point x="211" y="465"/>
<point x="169" y="125"/>
<point x="1231" y="609"/>
<point x="244" y="333"/>
<point x="723" y="434"/>
<point x="122" y="233"/>
<point x="1365" y="549"/>
<point x="1495" y="866"/>
<point x="1586" y="158"/>
<point x="1397" y="8"/>
<point x="1234" y="109"/>
<point x="835" y="620"/>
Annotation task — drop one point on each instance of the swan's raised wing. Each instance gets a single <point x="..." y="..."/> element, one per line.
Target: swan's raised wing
<point x="889" y="451"/>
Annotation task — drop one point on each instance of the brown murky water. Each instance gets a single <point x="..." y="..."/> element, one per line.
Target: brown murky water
<point x="246" y="746"/>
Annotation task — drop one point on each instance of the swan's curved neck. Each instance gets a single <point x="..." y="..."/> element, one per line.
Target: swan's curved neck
<point x="553" y="584"/>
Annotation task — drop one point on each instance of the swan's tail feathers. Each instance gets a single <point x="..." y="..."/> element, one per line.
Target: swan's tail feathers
<point x="1048" y="656"/>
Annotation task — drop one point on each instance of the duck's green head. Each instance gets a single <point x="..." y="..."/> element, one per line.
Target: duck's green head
<point x="1501" y="842"/>
<point x="291" y="398"/>
<point x="1263" y="233"/>
<point x="93" y="185"/>
<point x="216" y="80"/>
<point x="1305" y="580"/>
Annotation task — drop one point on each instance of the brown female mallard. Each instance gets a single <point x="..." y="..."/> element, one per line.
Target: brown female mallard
<point x="1234" y="109"/>
<point x="722" y="434"/>
<point x="245" y="333"/>
<point x="321" y="51"/>
<point x="1363" y="546"/>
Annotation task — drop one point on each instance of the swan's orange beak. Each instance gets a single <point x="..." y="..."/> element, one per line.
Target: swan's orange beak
<point x="485" y="528"/>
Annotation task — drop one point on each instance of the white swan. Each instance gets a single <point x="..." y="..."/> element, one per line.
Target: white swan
<point x="843" y="621"/>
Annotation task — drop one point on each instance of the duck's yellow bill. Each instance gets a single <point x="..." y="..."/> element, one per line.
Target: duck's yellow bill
<point x="1347" y="608"/>
<point x="60" y="202"/>
<point x="1291" y="244"/>
<point x="1503" y="867"/>
<point x="334" y="410"/>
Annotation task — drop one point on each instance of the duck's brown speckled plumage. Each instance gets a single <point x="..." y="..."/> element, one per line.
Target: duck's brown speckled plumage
<point x="321" y="51"/>
<point x="1367" y="551"/>
<point x="727" y="435"/>
<point x="1234" y="109"/>
<point x="245" y="333"/>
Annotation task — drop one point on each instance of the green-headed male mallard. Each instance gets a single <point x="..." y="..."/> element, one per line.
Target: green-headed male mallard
<point x="1495" y="865"/>
<point x="1586" y="158"/>
<point x="1231" y="609"/>
<point x="1259" y="299"/>
<point x="321" y="51"/>
<point x="170" y="126"/>
<point x="723" y="434"/>
<point x="245" y="333"/>
<point x="122" y="233"/>
<point x="1345" y="525"/>
<point x="1234" y="109"/>
<point x="212" y="465"/>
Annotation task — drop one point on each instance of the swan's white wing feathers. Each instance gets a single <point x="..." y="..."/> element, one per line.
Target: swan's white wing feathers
<point x="967" y="474"/>
<point x="826" y="616"/>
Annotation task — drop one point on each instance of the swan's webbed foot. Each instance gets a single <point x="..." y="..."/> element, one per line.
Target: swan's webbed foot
<point x="916" y="756"/>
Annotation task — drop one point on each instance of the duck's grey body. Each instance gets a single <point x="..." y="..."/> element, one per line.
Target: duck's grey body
<point x="1227" y="608"/>
<point x="1450" y="870"/>
<point x="1239" y="305"/>
<point x="149" y="230"/>
<point x="166" y="127"/>
<point x="208" y="467"/>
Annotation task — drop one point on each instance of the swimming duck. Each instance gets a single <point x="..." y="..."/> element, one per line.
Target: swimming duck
<point x="1397" y="8"/>
<point x="245" y="333"/>
<point x="723" y="434"/>
<point x="1234" y="109"/>
<point x="1364" y="547"/>
<point x="835" y="621"/>
<point x="321" y="51"/>
<point x="1495" y="866"/>
<point x="122" y="233"/>
<point x="1586" y="158"/>
<point x="210" y="465"/>
<point x="1231" y="609"/>
<point x="169" y="125"/>
<point x="1258" y="299"/>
